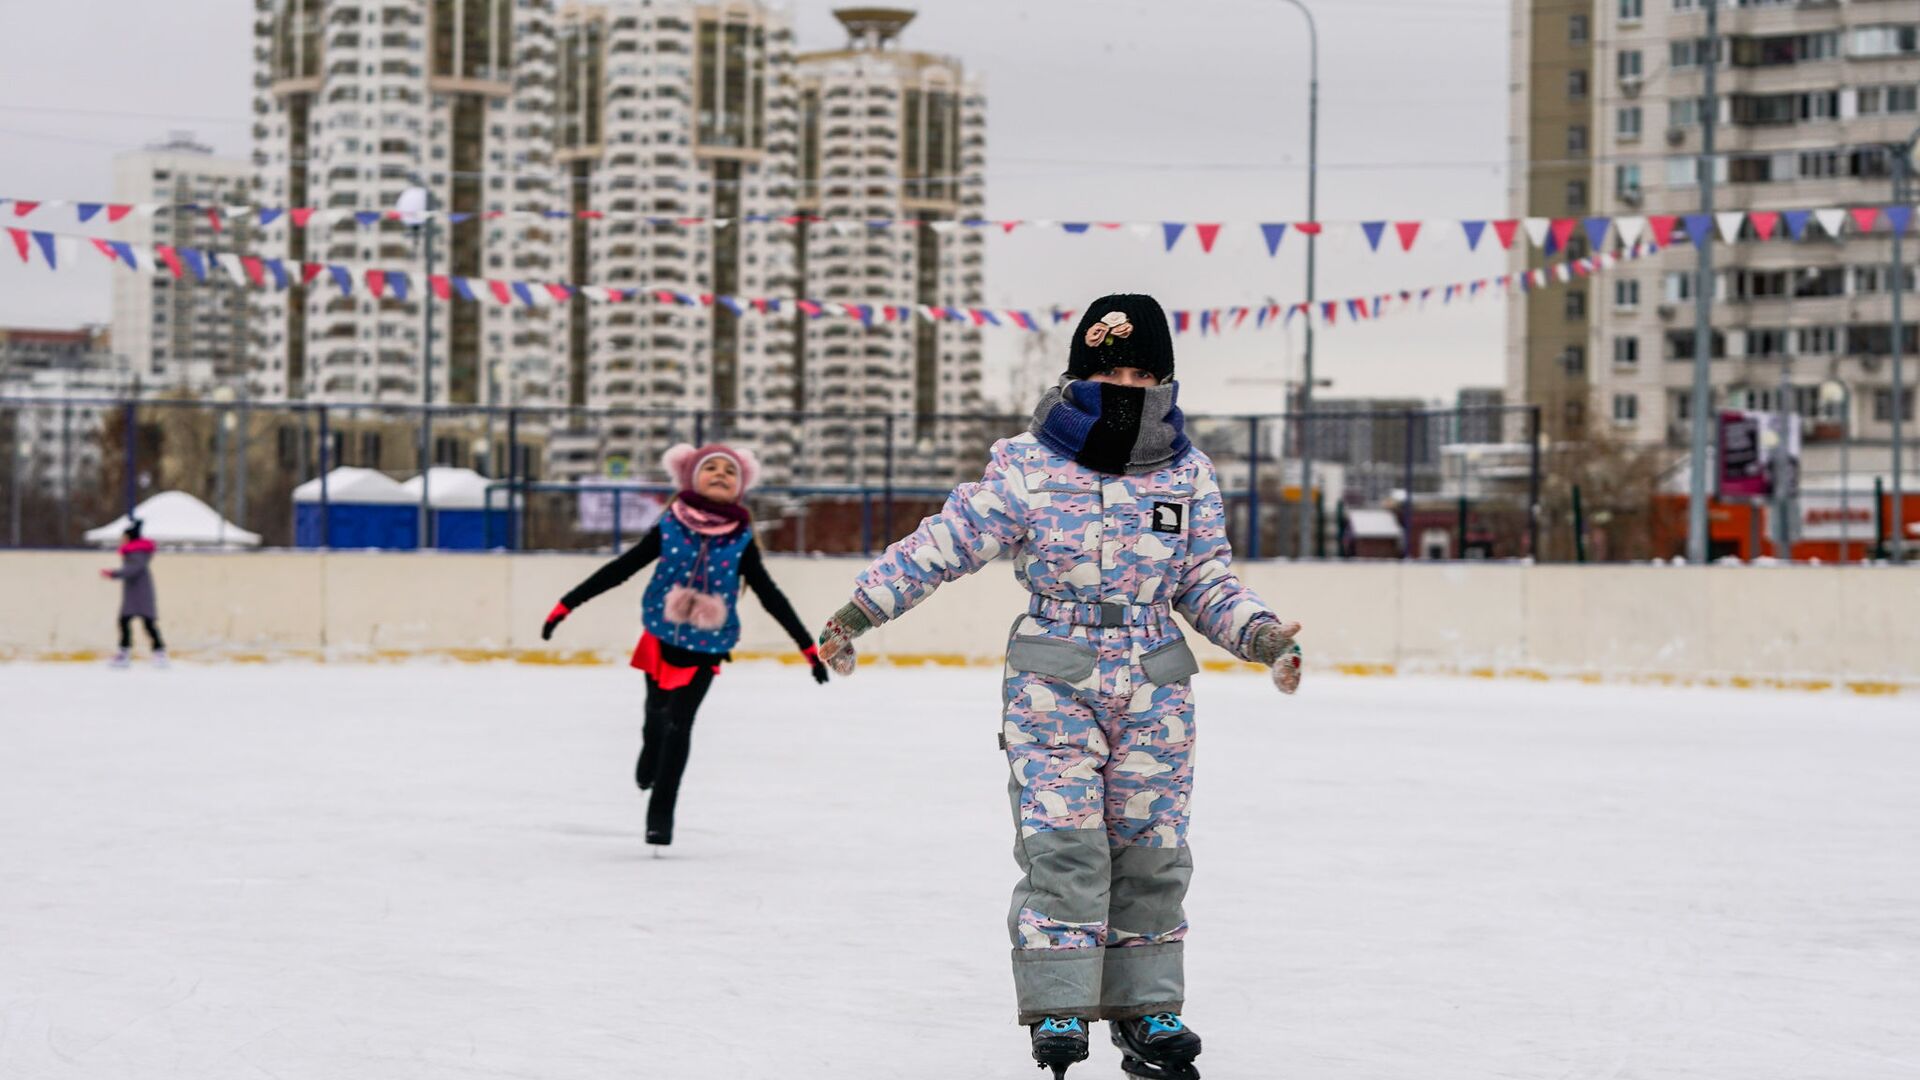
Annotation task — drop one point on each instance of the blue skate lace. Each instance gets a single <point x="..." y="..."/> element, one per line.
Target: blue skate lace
<point x="1069" y="1026"/>
<point x="1168" y="1023"/>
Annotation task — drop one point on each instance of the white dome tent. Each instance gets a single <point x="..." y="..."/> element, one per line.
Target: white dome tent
<point x="177" y="519"/>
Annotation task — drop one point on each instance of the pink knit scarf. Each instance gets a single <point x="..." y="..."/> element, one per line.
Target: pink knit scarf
<point x="708" y="517"/>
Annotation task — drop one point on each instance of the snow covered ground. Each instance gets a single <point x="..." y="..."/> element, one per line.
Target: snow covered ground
<point x="313" y="872"/>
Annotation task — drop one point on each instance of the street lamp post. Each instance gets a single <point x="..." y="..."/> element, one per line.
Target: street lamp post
<point x="1306" y="376"/>
<point x="1703" y="306"/>
<point x="1902" y="196"/>
<point x="415" y="205"/>
<point x="1834" y="391"/>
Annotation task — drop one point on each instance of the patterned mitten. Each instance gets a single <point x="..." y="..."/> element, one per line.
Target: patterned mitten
<point x="1273" y="645"/>
<point x="836" y="641"/>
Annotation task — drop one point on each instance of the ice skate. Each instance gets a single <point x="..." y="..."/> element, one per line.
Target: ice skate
<point x="159" y="658"/>
<point x="121" y="658"/>
<point x="1059" y="1041"/>
<point x="1159" y="1046"/>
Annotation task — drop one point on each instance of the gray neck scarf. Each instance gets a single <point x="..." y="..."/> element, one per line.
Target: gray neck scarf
<point x="1113" y="429"/>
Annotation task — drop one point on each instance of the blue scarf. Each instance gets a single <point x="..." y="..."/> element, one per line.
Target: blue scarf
<point x="1113" y="429"/>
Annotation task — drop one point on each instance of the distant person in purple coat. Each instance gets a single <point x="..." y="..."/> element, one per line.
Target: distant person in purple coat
<point x="136" y="595"/>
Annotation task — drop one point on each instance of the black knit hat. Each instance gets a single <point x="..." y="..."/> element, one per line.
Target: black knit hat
<point x="1122" y="330"/>
<point x="132" y="531"/>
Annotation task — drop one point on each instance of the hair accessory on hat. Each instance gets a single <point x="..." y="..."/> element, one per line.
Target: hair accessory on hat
<point x="1122" y="330"/>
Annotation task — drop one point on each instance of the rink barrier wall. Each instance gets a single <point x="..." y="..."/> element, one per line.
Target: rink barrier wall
<point x="1794" y="627"/>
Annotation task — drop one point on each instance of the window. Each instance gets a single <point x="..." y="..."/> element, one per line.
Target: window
<point x="1872" y="41"/>
<point x="1626" y="409"/>
<point x="1626" y="293"/>
<point x="1686" y="112"/>
<point x="1576" y="305"/>
<point x="1688" y="54"/>
<point x="1680" y="345"/>
<point x="1577" y="85"/>
<point x="1816" y="340"/>
<point x="1576" y="195"/>
<point x="1886" y="100"/>
<point x="1883" y="405"/>
<point x="1628" y="64"/>
<point x="1771" y="342"/>
<point x="1577" y="29"/>
<point x="1627" y="122"/>
<point x="1626" y="180"/>
<point x="1632" y="10"/>
<point x="1576" y="140"/>
<point x="1626" y="351"/>
<point x="1821" y="164"/>
<point x="1574" y="359"/>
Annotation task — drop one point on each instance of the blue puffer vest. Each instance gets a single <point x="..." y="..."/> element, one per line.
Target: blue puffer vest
<point x="710" y="564"/>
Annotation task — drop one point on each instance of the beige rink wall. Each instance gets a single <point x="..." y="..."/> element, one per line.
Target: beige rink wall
<point x="1812" y="627"/>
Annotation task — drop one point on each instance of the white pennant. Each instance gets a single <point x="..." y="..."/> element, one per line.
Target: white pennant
<point x="1831" y="220"/>
<point x="231" y="263"/>
<point x="1537" y="230"/>
<point x="1729" y="224"/>
<point x="1144" y="230"/>
<point x="1630" y="229"/>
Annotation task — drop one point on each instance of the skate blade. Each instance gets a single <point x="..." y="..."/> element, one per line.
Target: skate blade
<point x="1173" y="1070"/>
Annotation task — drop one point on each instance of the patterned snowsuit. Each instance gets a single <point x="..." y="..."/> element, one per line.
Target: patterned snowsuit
<point x="1098" y="714"/>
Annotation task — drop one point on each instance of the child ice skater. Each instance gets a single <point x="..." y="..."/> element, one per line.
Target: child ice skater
<point x="1114" y="521"/>
<point x="137" y="599"/>
<point x="704" y="546"/>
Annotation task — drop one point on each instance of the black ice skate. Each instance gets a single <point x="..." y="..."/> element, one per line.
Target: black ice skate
<point x="1059" y="1041"/>
<point x="1159" y="1047"/>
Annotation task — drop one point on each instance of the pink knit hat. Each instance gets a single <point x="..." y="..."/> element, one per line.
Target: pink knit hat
<point x="682" y="462"/>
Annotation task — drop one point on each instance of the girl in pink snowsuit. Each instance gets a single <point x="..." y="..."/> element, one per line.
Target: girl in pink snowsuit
<point x="1113" y="522"/>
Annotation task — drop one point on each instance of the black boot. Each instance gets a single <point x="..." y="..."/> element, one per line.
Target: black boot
<point x="660" y="837"/>
<point x="1059" y="1041"/>
<point x="1159" y="1046"/>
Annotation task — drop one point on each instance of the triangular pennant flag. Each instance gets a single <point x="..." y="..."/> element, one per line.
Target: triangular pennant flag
<point x="1473" y="230"/>
<point x="1240" y="317"/>
<point x="1864" y="217"/>
<point x="195" y="262"/>
<point x="441" y="287"/>
<point x="377" y="283"/>
<point x="1311" y="228"/>
<point x="1729" y="224"/>
<point x="116" y="211"/>
<point x="1357" y="309"/>
<point x="1273" y="233"/>
<point x="1330" y="311"/>
<point x="279" y="271"/>
<point x="1373" y="229"/>
<point x="268" y="217"/>
<point x="23" y="207"/>
<point x="300" y="216"/>
<point x="106" y="249"/>
<point x="367" y="217"/>
<point x="1898" y="217"/>
<point x="1662" y="227"/>
<point x="1699" y="228"/>
<point x="213" y="218"/>
<point x="1172" y="231"/>
<point x="1408" y="230"/>
<point x="235" y="269"/>
<point x="1208" y="232"/>
<point x="1796" y="222"/>
<point x="1596" y="230"/>
<point x="500" y="291"/>
<point x="1764" y="222"/>
<point x="525" y="292"/>
<point x="1562" y="232"/>
<point x="342" y="279"/>
<point x="399" y="284"/>
<point x="1831" y="220"/>
<point x="309" y="271"/>
<point x="463" y="288"/>
<point x="1629" y="229"/>
<point x="1537" y="228"/>
<point x="45" y="240"/>
<point x="1075" y="228"/>
<point x="86" y="211"/>
<point x="1504" y="230"/>
<point x="1180" y="321"/>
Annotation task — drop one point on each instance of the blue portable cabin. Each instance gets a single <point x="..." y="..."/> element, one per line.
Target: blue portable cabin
<point x="364" y="509"/>
<point x="462" y="520"/>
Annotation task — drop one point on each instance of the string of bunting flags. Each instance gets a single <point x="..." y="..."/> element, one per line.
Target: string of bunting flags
<point x="1550" y="235"/>
<point x="57" y="250"/>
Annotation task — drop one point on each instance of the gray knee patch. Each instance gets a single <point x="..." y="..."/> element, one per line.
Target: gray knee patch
<point x="1067" y="877"/>
<point x="1149" y="887"/>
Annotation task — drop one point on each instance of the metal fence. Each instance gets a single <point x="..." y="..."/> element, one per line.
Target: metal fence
<point x="589" y="479"/>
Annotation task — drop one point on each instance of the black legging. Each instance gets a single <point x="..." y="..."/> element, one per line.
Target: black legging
<point x="126" y="631"/>
<point x="663" y="749"/>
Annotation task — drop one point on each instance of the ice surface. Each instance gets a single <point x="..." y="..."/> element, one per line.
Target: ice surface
<point x="340" y="872"/>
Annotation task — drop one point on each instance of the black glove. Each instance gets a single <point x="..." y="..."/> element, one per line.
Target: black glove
<point x="819" y="669"/>
<point x="553" y="619"/>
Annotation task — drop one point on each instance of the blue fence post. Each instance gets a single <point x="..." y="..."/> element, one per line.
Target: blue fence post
<point x="326" y="445"/>
<point x="131" y="420"/>
<point x="1253" y="487"/>
<point x="866" y="522"/>
<point x="616" y="521"/>
<point x="513" y="477"/>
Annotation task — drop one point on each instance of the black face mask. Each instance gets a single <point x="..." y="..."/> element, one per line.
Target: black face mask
<point x="1111" y="428"/>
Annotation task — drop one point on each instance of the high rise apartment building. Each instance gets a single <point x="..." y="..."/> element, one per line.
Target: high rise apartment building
<point x="1808" y="98"/>
<point x="357" y="100"/>
<point x="889" y="134"/>
<point x="181" y="333"/>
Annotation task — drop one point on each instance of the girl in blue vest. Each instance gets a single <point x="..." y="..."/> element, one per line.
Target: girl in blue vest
<point x="704" y="545"/>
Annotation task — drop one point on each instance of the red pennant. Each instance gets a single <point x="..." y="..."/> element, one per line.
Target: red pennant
<point x="591" y="215"/>
<point x="1330" y="311"/>
<point x="1311" y="228"/>
<point x="792" y="220"/>
<point x="1009" y="226"/>
<point x="300" y="215"/>
<point x="1110" y="224"/>
<point x="116" y="211"/>
<point x="309" y="271"/>
<point x="393" y="215"/>
<point x="760" y="304"/>
<point x="664" y="296"/>
<point x="1864" y="217"/>
<point x="377" y="283"/>
<point x="1407" y="230"/>
<point x="500" y="291"/>
<point x="1764" y="222"/>
<point x="979" y="317"/>
<point x="559" y="292"/>
<point x="1504" y="231"/>
<point x="441" y="286"/>
<point x="213" y="218"/>
<point x="106" y="249"/>
<point x="171" y="258"/>
<point x="1207" y="234"/>
<point x="1562" y="232"/>
<point x="23" y="207"/>
<point x="1661" y="226"/>
<point x="20" y="242"/>
<point x="706" y="299"/>
<point x="256" y="270"/>
<point x="1241" y="317"/>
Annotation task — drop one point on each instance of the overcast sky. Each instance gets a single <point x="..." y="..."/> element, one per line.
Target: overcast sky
<point x="1098" y="109"/>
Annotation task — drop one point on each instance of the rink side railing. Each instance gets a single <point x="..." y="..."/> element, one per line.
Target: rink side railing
<point x="840" y="483"/>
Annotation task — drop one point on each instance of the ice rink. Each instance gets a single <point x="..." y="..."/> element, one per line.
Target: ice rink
<point x="356" y="872"/>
